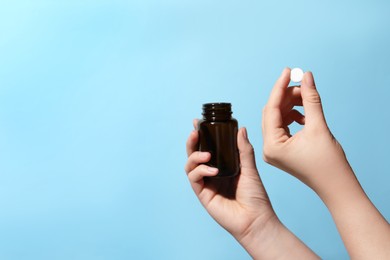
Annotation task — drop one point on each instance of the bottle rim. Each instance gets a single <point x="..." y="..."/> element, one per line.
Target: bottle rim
<point x="217" y="104"/>
<point x="217" y="111"/>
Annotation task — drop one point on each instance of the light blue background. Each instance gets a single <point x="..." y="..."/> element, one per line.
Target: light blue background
<point x="97" y="100"/>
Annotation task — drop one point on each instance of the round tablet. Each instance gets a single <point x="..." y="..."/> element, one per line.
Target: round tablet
<point x="296" y="75"/>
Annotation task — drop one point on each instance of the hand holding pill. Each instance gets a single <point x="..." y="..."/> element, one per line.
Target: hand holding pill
<point x="315" y="157"/>
<point x="300" y="154"/>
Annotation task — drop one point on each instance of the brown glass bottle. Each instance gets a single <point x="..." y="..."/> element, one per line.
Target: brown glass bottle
<point x="218" y="135"/>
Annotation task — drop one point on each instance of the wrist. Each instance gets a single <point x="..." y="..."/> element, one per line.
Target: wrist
<point x="337" y="186"/>
<point x="260" y="236"/>
<point x="272" y="240"/>
<point x="364" y="231"/>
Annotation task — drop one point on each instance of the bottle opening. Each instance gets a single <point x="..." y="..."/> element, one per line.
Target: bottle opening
<point x="217" y="111"/>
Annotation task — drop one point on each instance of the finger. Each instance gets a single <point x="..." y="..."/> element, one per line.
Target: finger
<point x="195" y="123"/>
<point x="293" y="95"/>
<point x="272" y="120"/>
<point x="247" y="155"/>
<point x="196" y="176"/>
<point x="294" y="116"/>
<point x="311" y="101"/>
<point x="192" y="142"/>
<point x="292" y="98"/>
<point x="272" y="116"/>
<point x="195" y="159"/>
<point x="279" y="89"/>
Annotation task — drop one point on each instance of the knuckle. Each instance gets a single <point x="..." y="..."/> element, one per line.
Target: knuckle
<point x="186" y="168"/>
<point x="249" y="150"/>
<point x="196" y="173"/>
<point x="191" y="176"/>
<point x="313" y="97"/>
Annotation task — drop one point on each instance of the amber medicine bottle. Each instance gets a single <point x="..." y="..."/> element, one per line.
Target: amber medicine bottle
<point x="218" y="135"/>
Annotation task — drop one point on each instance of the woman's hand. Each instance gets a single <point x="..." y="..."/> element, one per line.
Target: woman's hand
<point x="312" y="155"/>
<point x="237" y="203"/>
<point x="241" y="204"/>
<point x="315" y="157"/>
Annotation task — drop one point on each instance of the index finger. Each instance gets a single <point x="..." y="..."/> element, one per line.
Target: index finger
<point x="278" y="92"/>
<point x="272" y="113"/>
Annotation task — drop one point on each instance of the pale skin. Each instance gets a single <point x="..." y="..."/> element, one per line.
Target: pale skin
<point x="313" y="155"/>
<point x="241" y="204"/>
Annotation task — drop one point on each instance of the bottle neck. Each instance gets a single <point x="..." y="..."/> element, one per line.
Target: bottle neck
<point x="217" y="111"/>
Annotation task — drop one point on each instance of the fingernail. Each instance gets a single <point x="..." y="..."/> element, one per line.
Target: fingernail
<point x="212" y="169"/>
<point x="195" y="123"/>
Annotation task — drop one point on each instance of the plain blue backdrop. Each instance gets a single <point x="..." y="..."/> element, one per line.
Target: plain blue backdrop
<point x="97" y="100"/>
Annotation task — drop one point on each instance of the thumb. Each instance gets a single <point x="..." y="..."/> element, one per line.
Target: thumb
<point x="311" y="100"/>
<point x="247" y="154"/>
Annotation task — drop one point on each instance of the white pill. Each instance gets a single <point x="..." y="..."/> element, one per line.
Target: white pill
<point x="296" y="75"/>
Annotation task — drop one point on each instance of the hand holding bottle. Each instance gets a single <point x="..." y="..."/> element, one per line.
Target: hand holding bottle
<point x="241" y="205"/>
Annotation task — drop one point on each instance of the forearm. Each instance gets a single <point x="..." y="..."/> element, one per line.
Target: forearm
<point x="275" y="241"/>
<point x="364" y="231"/>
